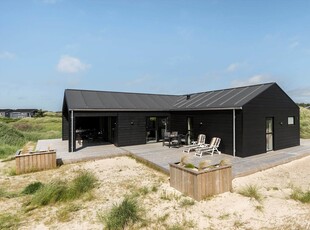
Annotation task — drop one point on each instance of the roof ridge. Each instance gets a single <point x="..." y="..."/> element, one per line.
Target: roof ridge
<point x="231" y="88"/>
<point x="104" y="91"/>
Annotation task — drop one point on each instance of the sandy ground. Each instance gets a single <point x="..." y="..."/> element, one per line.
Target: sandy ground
<point x="164" y="207"/>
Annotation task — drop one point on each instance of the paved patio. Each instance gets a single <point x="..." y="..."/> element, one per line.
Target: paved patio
<point x="161" y="156"/>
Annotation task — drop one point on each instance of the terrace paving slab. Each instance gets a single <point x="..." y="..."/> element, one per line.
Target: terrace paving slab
<point x="160" y="156"/>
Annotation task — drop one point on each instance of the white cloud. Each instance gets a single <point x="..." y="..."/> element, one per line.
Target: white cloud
<point x="256" y="79"/>
<point x="68" y="64"/>
<point x="7" y="55"/>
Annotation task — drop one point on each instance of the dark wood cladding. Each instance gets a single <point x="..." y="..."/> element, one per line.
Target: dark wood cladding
<point x="273" y="103"/>
<point x="212" y="123"/>
<point x="65" y="127"/>
<point x="132" y="127"/>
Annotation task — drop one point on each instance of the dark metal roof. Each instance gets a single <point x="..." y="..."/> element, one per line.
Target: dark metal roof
<point x="101" y="100"/>
<point x="225" y="98"/>
<point x="5" y="110"/>
<point x="24" y="110"/>
<point x="233" y="98"/>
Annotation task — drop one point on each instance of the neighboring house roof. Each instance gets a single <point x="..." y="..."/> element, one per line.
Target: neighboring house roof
<point x="5" y="110"/>
<point x="218" y="99"/>
<point x="24" y="110"/>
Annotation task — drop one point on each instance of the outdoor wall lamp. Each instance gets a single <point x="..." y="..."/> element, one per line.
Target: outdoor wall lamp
<point x="281" y="123"/>
<point x="201" y="123"/>
<point x="132" y="122"/>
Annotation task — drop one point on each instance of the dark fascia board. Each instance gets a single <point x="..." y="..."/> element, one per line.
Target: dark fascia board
<point x="152" y="110"/>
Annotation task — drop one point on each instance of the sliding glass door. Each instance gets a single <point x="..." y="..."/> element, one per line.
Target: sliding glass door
<point x="155" y="129"/>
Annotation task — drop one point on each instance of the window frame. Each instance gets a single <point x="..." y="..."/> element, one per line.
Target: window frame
<point x="291" y="120"/>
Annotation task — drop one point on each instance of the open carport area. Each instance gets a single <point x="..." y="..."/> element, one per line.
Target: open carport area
<point x="160" y="156"/>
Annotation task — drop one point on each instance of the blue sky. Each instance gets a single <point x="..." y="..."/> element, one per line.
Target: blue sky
<point x="159" y="46"/>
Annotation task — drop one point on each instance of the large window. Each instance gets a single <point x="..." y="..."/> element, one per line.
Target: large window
<point x="291" y="120"/>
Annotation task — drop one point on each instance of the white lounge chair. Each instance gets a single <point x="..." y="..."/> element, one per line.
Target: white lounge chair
<point x="210" y="148"/>
<point x="200" y="143"/>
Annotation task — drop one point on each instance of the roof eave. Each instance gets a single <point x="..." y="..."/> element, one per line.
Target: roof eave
<point x="153" y="110"/>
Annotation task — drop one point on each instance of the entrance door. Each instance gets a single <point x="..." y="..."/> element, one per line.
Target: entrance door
<point x="269" y="134"/>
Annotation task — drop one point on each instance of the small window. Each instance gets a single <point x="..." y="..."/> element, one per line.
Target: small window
<point x="291" y="121"/>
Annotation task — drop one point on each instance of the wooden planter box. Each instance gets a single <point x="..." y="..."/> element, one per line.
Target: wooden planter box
<point x="35" y="161"/>
<point x="201" y="184"/>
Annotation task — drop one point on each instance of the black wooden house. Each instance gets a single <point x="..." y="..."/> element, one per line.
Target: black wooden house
<point x="250" y="120"/>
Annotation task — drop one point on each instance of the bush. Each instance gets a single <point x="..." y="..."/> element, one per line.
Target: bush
<point x="122" y="215"/>
<point x="32" y="188"/>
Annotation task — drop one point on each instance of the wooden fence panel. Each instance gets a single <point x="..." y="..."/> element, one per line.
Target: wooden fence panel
<point x="35" y="161"/>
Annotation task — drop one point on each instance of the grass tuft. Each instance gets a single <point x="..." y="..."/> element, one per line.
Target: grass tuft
<point x="65" y="214"/>
<point x="81" y="184"/>
<point x="58" y="190"/>
<point x="50" y="193"/>
<point x="123" y="215"/>
<point x="187" y="202"/>
<point x="32" y="188"/>
<point x="298" y="194"/>
<point x="252" y="192"/>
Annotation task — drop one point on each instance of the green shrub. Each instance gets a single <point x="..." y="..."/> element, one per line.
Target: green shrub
<point x="252" y="192"/>
<point x="32" y="188"/>
<point x="122" y="215"/>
